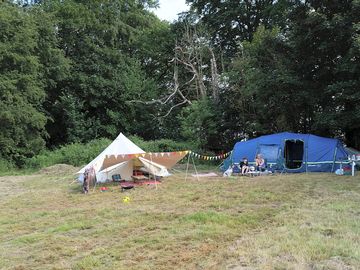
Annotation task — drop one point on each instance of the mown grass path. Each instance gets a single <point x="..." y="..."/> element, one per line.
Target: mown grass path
<point x="299" y="221"/>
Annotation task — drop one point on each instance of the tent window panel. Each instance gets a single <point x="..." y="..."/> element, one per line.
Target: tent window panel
<point x="269" y="151"/>
<point x="293" y="154"/>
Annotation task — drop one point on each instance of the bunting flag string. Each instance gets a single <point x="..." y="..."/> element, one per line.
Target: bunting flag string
<point x="159" y="154"/>
<point x="169" y="154"/>
<point x="206" y="157"/>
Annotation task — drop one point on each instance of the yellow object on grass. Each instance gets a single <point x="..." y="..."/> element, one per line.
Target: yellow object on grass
<point x="126" y="199"/>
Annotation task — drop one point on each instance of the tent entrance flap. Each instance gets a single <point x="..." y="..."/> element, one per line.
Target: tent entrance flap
<point x="293" y="154"/>
<point x="154" y="168"/>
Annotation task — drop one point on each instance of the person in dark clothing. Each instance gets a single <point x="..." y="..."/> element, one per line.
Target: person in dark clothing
<point x="86" y="183"/>
<point x="244" y="165"/>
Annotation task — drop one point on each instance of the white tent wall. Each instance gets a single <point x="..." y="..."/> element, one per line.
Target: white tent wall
<point x="154" y="168"/>
<point x="125" y="169"/>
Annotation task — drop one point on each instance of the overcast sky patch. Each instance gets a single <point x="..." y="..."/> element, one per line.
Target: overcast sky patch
<point x="169" y="9"/>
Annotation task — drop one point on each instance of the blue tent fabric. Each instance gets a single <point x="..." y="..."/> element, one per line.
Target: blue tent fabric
<point x="312" y="153"/>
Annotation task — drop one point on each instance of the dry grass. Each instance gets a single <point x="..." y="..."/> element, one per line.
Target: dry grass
<point x="302" y="221"/>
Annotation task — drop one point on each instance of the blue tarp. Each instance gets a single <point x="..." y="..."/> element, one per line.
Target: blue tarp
<point x="308" y="152"/>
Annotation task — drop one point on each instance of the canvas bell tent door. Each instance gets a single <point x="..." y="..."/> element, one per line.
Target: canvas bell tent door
<point x="294" y="154"/>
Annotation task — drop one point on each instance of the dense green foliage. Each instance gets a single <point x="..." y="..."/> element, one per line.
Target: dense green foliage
<point x="21" y="90"/>
<point x="73" y="71"/>
<point x="162" y="145"/>
<point x="232" y="21"/>
<point x="77" y="154"/>
<point x="303" y="78"/>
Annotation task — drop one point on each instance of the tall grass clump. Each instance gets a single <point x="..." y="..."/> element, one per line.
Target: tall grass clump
<point x="5" y="166"/>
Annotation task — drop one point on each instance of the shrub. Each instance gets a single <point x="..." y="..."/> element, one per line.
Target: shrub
<point x="5" y="165"/>
<point x="162" y="145"/>
<point x="78" y="154"/>
<point x="74" y="154"/>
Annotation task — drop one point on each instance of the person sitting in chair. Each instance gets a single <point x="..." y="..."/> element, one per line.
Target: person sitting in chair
<point x="259" y="163"/>
<point x="244" y="165"/>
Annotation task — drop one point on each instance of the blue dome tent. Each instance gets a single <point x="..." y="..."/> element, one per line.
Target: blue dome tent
<point x="294" y="152"/>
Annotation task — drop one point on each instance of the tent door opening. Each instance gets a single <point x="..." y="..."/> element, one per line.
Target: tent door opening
<point x="293" y="154"/>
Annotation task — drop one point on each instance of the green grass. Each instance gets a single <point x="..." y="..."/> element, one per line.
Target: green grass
<point x="302" y="221"/>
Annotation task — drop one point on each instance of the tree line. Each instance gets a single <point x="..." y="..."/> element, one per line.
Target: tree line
<point x="74" y="70"/>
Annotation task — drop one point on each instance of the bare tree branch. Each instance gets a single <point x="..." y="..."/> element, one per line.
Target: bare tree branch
<point x="181" y="103"/>
<point x="190" y="54"/>
<point x="165" y="100"/>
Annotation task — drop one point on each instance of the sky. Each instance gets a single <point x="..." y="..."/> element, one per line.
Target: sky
<point x="169" y="9"/>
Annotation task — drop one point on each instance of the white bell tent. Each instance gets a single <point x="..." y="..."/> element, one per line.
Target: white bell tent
<point x="122" y="155"/>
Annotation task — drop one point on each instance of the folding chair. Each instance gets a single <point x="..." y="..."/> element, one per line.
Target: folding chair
<point x="116" y="178"/>
<point x="279" y="166"/>
<point x="236" y="169"/>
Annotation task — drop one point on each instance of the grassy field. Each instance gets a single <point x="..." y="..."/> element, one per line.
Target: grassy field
<point x="302" y="221"/>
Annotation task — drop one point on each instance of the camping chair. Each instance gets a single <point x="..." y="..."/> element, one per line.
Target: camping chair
<point x="236" y="168"/>
<point x="116" y="178"/>
<point x="279" y="166"/>
<point x="266" y="164"/>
